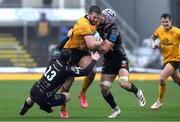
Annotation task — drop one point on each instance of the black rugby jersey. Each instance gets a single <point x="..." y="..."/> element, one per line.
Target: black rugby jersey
<point x="57" y="73"/>
<point x="111" y="33"/>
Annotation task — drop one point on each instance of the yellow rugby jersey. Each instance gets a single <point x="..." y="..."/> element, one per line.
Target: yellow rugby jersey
<point x="81" y="28"/>
<point x="169" y="42"/>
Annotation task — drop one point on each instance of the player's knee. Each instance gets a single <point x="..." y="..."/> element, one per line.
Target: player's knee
<point x="105" y="86"/>
<point x="67" y="95"/>
<point x="123" y="82"/>
<point x="123" y="79"/>
<point x="85" y="60"/>
<point x="30" y="101"/>
<point x="162" y="80"/>
<point x="64" y="89"/>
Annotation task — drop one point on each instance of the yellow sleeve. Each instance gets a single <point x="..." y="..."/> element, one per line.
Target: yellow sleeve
<point x="156" y="32"/>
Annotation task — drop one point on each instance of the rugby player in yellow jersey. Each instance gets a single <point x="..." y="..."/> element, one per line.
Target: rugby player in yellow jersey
<point x="80" y="43"/>
<point x="169" y="36"/>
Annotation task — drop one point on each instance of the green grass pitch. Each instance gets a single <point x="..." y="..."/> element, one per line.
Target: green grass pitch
<point x="13" y="94"/>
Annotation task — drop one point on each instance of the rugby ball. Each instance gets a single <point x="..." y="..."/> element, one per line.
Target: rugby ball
<point x="97" y="36"/>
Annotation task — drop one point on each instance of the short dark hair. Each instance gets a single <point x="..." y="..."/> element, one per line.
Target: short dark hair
<point x="95" y="9"/>
<point x="65" y="55"/>
<point x="165" y="15"/>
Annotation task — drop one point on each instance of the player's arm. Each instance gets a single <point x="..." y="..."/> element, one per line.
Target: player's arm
<point x="91" y="43"/>
<point x="56" y="51"/>
<point x="77" y="71"/>
<point x="61" y="45"/>
<point x="107" y="45"/>
<point x="109" y="42"/>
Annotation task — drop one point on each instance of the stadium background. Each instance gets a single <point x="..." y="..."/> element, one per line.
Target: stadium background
<point x="137" y="19"/>
<point x="22" y="61"/>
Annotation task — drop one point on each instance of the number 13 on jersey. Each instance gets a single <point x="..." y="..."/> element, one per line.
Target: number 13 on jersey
<point x="50" y="74"/>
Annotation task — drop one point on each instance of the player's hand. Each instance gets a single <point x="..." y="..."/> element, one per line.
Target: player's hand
<point x="155" y="44"/>
<point x="95" y="55"/>
<point x="70" y="32"/>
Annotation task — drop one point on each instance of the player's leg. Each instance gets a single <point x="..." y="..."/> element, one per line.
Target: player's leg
<point x="27" y="105"/>
<point x="176" y="75"/>
<point x="85" y="60"/>
<point x="87" y="81"/>
<point x="129" y="86"/>
<point x="56" y="100"/>
<point x="65" y="88"/>
<point x="106" y="83"/>
<point x="75" y="59"/>
<point x="67" y="96"/>
<point x="166" y="72"/>
<point x="46" y="108"/>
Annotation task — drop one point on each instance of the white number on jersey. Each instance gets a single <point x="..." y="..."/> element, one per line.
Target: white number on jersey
<point x="50" y="74"/>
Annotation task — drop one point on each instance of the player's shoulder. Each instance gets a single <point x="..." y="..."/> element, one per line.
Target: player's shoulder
<point x="82" y="24"/>
<point x="83" y="21"/>
<point x="114" y="34"/>
<point x="114" y="30"/>
<point x="158" y="30"/>
<point x="176" y="29"/>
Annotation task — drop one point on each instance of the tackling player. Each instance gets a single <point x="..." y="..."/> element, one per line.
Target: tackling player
<point x="169" y="36"/>
<point x="43" y="92"/>
<point x="115" y="62"/>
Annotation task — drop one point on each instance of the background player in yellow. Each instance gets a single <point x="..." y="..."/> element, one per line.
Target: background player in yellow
<point x="80" y="43"/>
<point x="169" y="36"/>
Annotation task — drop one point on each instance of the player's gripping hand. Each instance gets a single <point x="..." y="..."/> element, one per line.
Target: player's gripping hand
<point x="95" y="56"/>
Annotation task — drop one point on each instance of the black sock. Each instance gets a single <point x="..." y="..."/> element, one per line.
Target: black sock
<point x="133" y="89"/>
<point x="110" y="100"/>
<point x="25" y="108"/>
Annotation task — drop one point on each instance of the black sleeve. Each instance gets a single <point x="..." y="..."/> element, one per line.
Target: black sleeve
<point x="62" y="43"/>
<point x="55" y="54"/>
<point x="77" y="71"/>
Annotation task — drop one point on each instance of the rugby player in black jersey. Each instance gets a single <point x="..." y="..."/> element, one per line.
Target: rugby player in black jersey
<point x="115" y="62"/>
<point x="43" y="92"/>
